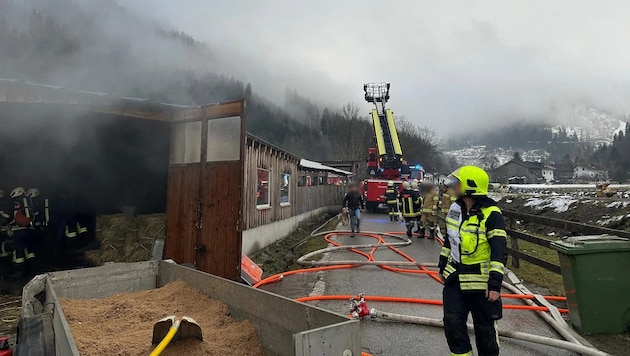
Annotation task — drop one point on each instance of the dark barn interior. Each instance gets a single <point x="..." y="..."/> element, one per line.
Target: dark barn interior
<point x="111" y="161"/>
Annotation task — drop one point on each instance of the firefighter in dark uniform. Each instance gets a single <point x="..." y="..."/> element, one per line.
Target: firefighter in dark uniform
<point x="472" y="264"/>
<point x="5" y="247"/>
<point x="21" y="230"/>
<point x="391" y="197"/>
<point x="39" y="206"/>
<point x="408" y="201"/>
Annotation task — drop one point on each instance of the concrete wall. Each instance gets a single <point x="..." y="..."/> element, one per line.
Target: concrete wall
<point x="262" y="236"/>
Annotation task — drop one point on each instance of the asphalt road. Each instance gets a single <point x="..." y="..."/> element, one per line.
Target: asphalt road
<point x="397" y="339"/>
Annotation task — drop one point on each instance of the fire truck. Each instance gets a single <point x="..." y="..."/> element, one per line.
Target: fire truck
<point x="385" y="161"/>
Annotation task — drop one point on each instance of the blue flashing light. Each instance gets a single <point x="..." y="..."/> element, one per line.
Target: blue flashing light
<point x="418" y="167"/>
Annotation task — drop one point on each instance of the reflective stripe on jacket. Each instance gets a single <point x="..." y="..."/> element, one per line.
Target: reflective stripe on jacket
<point x="430" y="202"/>
<point x="409" y="202"/>
<point x="391" y="197"/>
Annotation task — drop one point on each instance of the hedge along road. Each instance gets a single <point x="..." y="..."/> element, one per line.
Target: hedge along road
<point x="396" y="339"/>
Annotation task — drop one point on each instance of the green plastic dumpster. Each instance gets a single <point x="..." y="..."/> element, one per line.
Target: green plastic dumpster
<point x="596" y="274"/>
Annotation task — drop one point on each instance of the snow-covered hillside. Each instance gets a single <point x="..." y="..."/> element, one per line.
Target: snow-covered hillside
<point x="480" y="155"/>
<point x="589" y="123"/>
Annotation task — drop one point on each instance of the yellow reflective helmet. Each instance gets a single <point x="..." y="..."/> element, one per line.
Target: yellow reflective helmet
<point x="414" y="184"/>
<point x="473" y="180"/>
<point x="390" y="183"/>
<point x="405" y="185"/>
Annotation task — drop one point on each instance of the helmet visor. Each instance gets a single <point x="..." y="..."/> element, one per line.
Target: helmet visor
<point x="451" y="181"/>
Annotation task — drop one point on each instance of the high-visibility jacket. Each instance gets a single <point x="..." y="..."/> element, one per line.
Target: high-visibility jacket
<point x="409" y="203"/>
<point x="391" y="196"/>
<point x="482" y="248"/>
<point x="430" y="202"/>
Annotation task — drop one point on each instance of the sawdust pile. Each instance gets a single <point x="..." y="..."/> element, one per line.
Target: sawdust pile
<point x="123" y="324"/>
<point x="126" y="239"/>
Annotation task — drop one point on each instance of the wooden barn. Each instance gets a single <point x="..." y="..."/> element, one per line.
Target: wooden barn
<point x="281" y="190"/>
<point x="224" y="192"/>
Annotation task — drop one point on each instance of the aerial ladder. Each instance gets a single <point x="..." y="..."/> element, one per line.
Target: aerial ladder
<point x="385" y="161"/>
<point x="390" y="156"/>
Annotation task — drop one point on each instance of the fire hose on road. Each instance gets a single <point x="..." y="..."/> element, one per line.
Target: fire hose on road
<point x="517" y="335"/>
<point x="574" y="342"/>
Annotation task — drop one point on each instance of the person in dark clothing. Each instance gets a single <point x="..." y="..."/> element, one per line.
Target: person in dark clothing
<point x="391" y="197"/>
<point x="353" y="200"/>
<point x="409" y="202"/>
<point x="5" y="245"/>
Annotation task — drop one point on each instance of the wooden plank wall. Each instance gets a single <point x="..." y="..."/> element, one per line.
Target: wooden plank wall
<point x="261" y="155"/>
<point x="311" y="198"/>
<point x="258" y="154"/>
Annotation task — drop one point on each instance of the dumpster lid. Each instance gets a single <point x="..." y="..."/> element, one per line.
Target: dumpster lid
<point x="591" y="244"/>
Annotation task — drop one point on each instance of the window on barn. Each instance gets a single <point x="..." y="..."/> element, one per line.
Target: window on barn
<point x="302" y="181"/>
<point x="285" y="189"/>
<point x="224" y="139"/>
<point x="262" y="190"/>
<point x="186" y="143"/>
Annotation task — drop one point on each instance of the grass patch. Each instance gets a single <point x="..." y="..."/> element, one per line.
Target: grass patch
<point x="281" y="255"/>
<point x="533" y="274"/>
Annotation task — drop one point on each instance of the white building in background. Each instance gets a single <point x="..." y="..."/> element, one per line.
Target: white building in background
<point x="590" y="172"/>
<point x="548" y="173"/>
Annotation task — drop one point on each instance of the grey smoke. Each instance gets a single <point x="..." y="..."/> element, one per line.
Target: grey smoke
<point x="453" y="66"/>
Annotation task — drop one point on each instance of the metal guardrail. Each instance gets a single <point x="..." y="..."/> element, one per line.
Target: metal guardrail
<point x="516" y="235"/>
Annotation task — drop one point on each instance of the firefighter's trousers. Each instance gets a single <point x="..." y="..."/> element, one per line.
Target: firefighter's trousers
<point x="23" y="245"/>
<point x="393" y="211"/>
<point x="429" y="220"/>
<point x="457" y="305"/>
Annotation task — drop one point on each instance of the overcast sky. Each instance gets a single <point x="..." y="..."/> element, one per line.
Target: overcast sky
<point x="452" y="64"/>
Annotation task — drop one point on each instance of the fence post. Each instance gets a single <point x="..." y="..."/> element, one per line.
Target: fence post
<point x="514" y="243"/>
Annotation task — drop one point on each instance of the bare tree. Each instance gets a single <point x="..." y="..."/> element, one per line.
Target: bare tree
<point x="350" y="111"/>
<point x="489" y="161"/>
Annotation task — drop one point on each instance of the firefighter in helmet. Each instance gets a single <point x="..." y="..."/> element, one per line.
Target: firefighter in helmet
<point x="415" y="186"/>
<point x="21" y="229"/>
<point x="472" y="263"/>
<point x="41" y="214"/>
<point x="429" y="208"/>
<point x="408" y="201"/>
<point x="391" y="197"/>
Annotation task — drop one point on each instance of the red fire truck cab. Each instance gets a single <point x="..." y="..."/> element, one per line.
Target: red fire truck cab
<point x="5" y="348"/>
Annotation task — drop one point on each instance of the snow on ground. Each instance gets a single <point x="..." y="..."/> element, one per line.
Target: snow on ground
<point x="606" y="219"/>
<point x="618" y="204"/>
<point x="559" y="204"/>
<point x="566" y="186"/>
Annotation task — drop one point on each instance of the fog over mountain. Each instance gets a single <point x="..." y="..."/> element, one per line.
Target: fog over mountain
<point x="453" y="66"/>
